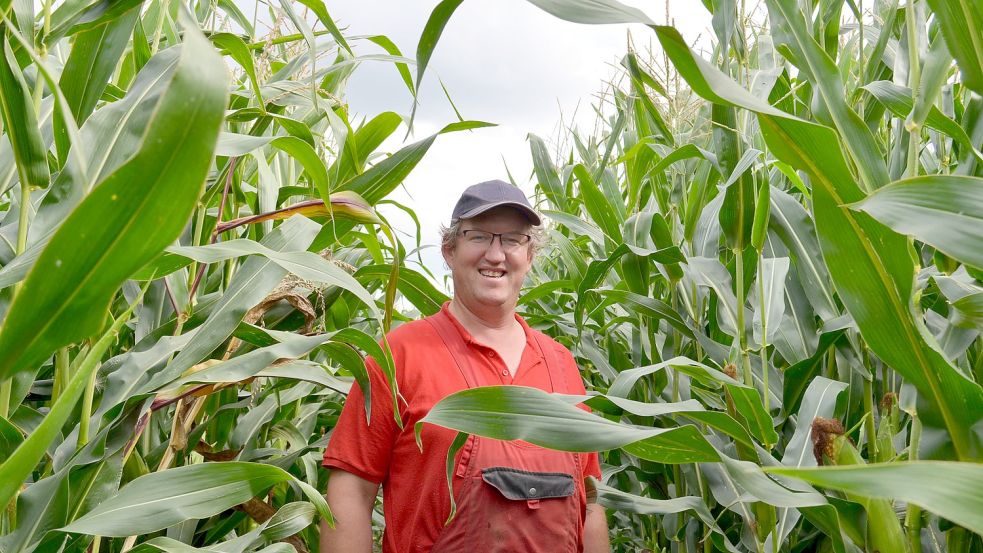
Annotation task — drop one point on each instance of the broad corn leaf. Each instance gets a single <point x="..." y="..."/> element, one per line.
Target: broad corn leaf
<point x="83" y="265"/>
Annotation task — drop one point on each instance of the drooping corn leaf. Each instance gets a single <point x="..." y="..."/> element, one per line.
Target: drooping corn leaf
<point x="898" y="99"/>
<point x="532" y="415"/>
<point x="163" y="499"/>
<point x="945" y="211"/>
<point x="948" y="489"/>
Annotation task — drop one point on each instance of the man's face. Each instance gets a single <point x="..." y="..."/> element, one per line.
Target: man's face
<point x="489" y="275"/>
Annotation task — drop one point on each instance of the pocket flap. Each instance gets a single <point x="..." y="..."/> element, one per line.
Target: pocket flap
<point x="520" y="484"/>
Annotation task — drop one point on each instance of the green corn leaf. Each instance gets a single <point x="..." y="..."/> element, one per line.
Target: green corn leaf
<point x="309" y="371"/>
<point x="597" y="272"/>
<point x="401" y="67"/>
<point x="288" y="520"/>
<point x="762" y="212"/>
<point x="532" y="415"/>
<point x="948" y="489"/>
<point x="434" y="27"/>
<point x="83" y="265"/>
<point x="750" y="477"/>
<point x="306" y="265"/>
<point x="578" y="226"/>
<point x="818" y="401"/>
<point x="367" y="138"/>
<point x="630" y="62"/>
<point x="737" y="211"/>
<point x="796" y="230"/>
<point x="10" y="438"/>
<point x="686" y="151"/>
<point x="439" y="17"/>
<point x="768" y="298"/>
<point x="317" y="6"/>
<point x="618" y="500"/>
<point x="377" y="182"/>
<point x="969" y="310"/>
<point x="76" y="16"/>
<point x="945" y="211"/>
<point x="95" y="54"/>
<point x="592" y="12"/>
<point x="962" y="27"/>
<point x="161" y="499"/>
<point x="702" y="373"/>
<point x="710" y="273"/>
<point x="20" y="122"/>
<point x="647" y="306"/>
<point x="544" y="290"/>
<point x="412" y="285"/>
<point x="597" y="205"/>
<point x="120" y="129"/>
<point x="802" y="374"/>
<point x="690" y="409"/>
<point x="933" y="75"/>
<point x="639" y="79"/>
<point x="244" y="366"/>
<point x="747" y="400"/>
<point x="237" y="49"/>
<point x="546" y="173"/>
<point x="898" y="99"/>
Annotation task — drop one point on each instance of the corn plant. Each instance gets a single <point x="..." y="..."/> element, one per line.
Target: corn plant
<point x="768" y="264"/>
<point x="192" y="269"/>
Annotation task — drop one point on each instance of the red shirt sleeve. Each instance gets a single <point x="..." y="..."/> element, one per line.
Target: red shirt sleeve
<point x="359" y="447"/>
<point x="592" y="466"/>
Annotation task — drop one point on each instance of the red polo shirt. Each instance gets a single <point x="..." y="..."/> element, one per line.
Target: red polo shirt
<point x="416" y="502"/>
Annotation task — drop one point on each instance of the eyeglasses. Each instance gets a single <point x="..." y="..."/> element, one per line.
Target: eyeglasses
<point x="510" y="241"/>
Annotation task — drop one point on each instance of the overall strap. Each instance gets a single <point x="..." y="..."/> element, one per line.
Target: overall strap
<point x="554" y="368"/>
<point x="455" y="347"/>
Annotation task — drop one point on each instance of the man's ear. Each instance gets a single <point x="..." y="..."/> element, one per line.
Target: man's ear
<point x="447" y="252"/>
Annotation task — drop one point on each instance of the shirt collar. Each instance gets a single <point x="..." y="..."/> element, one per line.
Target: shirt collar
<point x="469" y="339"/>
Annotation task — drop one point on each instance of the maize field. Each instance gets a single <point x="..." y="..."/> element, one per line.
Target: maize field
<point x="767" y="260"/>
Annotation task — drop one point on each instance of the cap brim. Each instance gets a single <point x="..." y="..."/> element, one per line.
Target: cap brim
<point x="526" y="210"/>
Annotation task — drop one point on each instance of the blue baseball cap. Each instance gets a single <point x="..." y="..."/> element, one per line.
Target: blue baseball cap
<point x="481" y="197"/>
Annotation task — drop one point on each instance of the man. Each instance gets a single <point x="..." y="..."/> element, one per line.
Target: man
<point x="510" y="496"/>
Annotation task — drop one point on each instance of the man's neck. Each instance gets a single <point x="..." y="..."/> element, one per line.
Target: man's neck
<point x="482" y="323"/>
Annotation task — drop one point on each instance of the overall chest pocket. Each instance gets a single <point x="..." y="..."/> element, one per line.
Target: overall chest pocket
<point x="529" y="511"/>
<point x="519" y="485"/>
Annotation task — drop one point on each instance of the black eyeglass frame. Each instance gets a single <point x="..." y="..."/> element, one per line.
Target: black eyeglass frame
<point x="501" y="236"/>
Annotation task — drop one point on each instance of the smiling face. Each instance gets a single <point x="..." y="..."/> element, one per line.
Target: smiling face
<point x="487" y="278"/>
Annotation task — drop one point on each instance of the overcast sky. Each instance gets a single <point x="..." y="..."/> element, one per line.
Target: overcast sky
<point x="502" y="61"/>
